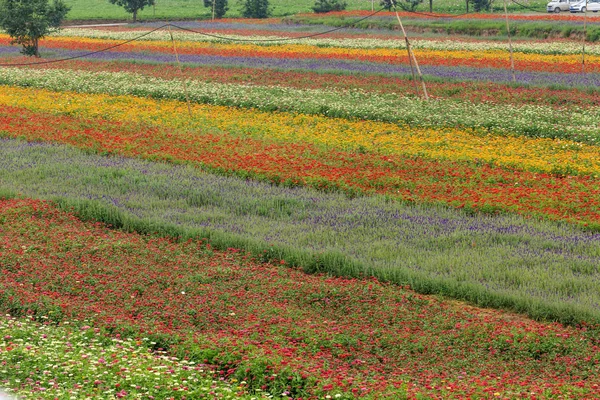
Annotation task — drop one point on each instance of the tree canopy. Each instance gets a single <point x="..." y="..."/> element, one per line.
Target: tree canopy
<point x="256" y="9"/>
<point x="133" y="6"/>
<point x="220" y="7"/>
<point x="28" y="21"/>
<point x="406" y="5"/>
<point x="323" y="6"/>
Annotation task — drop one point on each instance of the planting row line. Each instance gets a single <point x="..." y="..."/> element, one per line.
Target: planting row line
<point x="482" y="258"/>
<point x="273" y="327"/>
<point x="474" y="92"/>
<point x="163" y="129"/>
<point x="460" y="57"/>
<point x="405" y="178"/>
<point x="533" y="121"/>
<point x="376" y="47"/>
<point x="445" y="71"/>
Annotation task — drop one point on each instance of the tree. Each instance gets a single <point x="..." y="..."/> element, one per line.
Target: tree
<point x="481" y="5"/>
<point x="220" y="7"/>
<point x="323" y="6"/>
<point x="256" y="9"/>
<point x="387" y="4"/>
<point x="28" y="21"/>
<point x="406" y="5"/>
<point x="133" y="6"/>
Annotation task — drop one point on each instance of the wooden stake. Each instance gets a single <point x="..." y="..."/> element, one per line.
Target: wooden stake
<point x="583" y="39"/>
<point x="512" y="59"/>
<point x="187" y="97"/>
<point x="411" y="54"/>
<point x="213" y="16"/>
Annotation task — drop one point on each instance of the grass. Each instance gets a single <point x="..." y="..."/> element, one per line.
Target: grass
<point x="486" y="28"/>
<point x="543" y="269"/>
<point x="186" y="9"/>
<point x="193" y="9"/>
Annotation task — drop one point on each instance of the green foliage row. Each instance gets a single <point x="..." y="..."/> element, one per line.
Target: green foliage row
<point x="473" y="27"/>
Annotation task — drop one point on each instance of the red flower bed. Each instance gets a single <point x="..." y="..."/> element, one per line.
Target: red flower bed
<point x="277" y="327"/>
<point x="487" y="188"/>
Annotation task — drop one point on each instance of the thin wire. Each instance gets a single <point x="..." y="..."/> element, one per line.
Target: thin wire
<point x="84" y="55"/>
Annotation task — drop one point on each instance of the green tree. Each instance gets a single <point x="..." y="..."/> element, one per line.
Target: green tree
<point x="256" y="9"/>
<point x="387" y="4"/>
<point x="406" y="5"/>
<point x="323" y="6"/>
<point x="220" y="7"/>
<point x="133" y="6"/>
<point x="28" y="21"/>
<point x="482" y="5"/>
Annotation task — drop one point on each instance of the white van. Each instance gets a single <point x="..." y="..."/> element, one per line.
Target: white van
<point x="556" y="6"/>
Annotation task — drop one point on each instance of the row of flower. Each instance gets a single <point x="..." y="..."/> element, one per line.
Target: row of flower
<point x="304" y="148"/>
<point x="473" y="92"/>
<point x="529" y="121"/>
<point x="270" y="326"/>
<point x="468" y="256"/>
<point x="460" y="55"/>
<point x="473" y="70"/>
<point x="377" y="47"/>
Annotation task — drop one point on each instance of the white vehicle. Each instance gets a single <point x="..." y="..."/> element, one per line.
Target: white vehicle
<point x="583" y="6"/>
<point x="556" y="6"/>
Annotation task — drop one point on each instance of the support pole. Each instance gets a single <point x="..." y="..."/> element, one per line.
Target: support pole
<point x="213" y="10"/>
<point x="187" y="97"/>
<point x="411" y="54"/>
<point x="512" y="59"/>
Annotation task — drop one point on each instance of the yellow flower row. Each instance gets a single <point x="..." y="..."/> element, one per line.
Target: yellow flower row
<point x="544" y="155"/>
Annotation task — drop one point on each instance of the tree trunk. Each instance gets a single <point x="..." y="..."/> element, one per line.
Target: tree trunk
<point x="36" y="47"/>
<point x="430" y="6"/>
<point x="135" y="16"/>
<point x="467" y="6"/>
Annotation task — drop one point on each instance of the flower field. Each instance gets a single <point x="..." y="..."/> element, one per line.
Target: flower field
<point x="268" y="325"/>
<point x="170" y="215"/>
